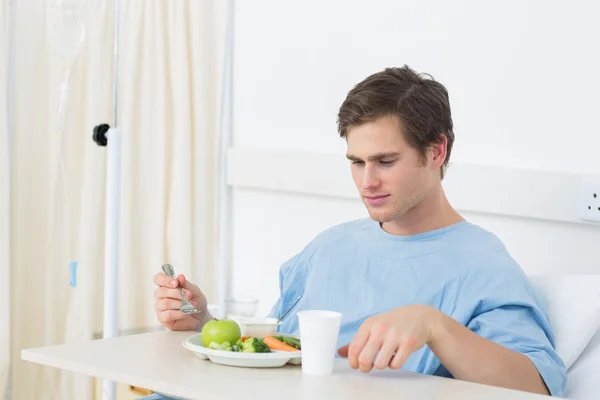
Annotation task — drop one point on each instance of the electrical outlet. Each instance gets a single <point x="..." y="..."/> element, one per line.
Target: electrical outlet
<point x="589" y="200"/>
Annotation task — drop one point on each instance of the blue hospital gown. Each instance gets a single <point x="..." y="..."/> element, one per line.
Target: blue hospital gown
<point x="360" y="270"/>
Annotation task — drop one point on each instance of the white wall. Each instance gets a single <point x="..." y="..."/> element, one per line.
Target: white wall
<point x="522" y="80"/>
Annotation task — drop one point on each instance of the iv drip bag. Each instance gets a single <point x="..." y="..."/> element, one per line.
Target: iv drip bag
<point x="66" y="35"/>
<point x="66" y="28"/>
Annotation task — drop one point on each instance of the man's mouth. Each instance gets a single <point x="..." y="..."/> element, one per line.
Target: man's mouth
<point x="376" y="200"/>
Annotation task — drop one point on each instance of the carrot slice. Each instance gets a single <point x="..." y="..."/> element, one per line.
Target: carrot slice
<point x="275" y="344"/>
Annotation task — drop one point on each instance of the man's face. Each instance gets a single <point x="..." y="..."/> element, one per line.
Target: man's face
<point x="390" y="175"/>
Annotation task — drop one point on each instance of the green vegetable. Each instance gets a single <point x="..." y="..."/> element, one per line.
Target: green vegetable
<point x="239" y="346"/>
<point x="225" y="346"/>
<point x="255" y="345"/>
<point x="292" y="341"/>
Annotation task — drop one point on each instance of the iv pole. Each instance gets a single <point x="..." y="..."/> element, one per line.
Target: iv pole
<point x="224" y="192"/>
<point x="102" y="135"/>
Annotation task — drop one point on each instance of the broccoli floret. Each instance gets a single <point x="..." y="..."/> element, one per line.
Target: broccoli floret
<point x="225" y="346"/>
<point x="239" y="346"/>
<point x="255" y="345"/>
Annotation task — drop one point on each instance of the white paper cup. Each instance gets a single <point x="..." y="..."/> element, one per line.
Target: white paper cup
<point x="319" y="330"/>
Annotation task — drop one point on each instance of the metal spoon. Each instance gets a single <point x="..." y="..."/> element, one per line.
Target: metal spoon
<point x="289" y="309"/>
<point x="186" y="306"/>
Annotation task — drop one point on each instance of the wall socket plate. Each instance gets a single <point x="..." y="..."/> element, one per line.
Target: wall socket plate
<point x="589" y="200"/>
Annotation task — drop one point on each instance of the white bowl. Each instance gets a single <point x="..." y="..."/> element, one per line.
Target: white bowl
<point x="258" y="327"/>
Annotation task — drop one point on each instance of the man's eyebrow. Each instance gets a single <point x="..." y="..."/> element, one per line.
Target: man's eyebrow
<point x="374" y="157"/>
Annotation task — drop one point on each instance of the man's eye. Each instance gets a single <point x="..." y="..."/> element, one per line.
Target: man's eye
<point x="357" y="162"/>
<point x="385" y="162"/>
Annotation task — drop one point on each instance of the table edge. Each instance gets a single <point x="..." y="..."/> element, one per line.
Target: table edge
<point x="31" y="355"/>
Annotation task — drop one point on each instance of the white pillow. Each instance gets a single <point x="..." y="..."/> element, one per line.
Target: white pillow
<point x="574" y="310"/>
<point x="584" y="375"/>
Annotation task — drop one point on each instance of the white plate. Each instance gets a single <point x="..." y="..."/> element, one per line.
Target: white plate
<point x="241" y="359"/>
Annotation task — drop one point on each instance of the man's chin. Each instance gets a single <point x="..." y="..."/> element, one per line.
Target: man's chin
<point x="381" y="216"/>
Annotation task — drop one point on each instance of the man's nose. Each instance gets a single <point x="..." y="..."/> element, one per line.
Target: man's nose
<point x="370" y="178"/>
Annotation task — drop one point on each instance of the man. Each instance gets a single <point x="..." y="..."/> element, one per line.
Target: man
<point x="419" y="287"/>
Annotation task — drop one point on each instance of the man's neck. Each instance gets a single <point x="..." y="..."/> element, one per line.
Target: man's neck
<point x="434" y="212"/>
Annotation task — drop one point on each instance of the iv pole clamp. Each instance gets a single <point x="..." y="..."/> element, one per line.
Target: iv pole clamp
<point x="99" y="134"/>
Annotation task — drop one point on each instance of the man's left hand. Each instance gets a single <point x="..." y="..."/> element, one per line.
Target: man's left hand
<point x="387" y="340"/>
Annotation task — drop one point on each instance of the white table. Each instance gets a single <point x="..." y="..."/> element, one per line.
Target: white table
<point x="157" y="361"/>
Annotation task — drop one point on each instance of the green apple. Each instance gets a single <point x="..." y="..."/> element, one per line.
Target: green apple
<point x="219" y="331"/>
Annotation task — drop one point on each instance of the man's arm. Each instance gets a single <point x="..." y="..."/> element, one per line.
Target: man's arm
<point x="470" y="357"/>
<point x="499" y="347"/>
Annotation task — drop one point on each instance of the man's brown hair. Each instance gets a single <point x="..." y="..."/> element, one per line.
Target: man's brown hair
<point x="421" y="104"/>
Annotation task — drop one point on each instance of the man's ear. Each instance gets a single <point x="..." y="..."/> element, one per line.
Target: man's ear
<point x="438" y="152"/>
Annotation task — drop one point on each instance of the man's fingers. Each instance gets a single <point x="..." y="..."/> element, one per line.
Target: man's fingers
<point x="343" y="351"/>
<point x="170" y="316"/>
<point x="162" y="279"/>
<point x="357" y="344"/>
<point x="168" y="310"/>
<point x="406" y="346"/>
<point x="399" y="359"/>
<point x="367" y="355"/>
<point x="167" y="304"/>
<point x="162" y="292"/>
<point x="388" y="347"/>
<point x="182" y="281"/>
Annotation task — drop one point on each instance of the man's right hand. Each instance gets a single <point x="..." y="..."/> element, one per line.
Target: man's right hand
<point x="167" y="301"/>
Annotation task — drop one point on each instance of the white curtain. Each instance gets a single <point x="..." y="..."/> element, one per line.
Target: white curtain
<point x="169" y="82"/>
<point x="4" y="204"/>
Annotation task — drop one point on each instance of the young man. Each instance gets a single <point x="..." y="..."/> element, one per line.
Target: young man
<point x="419" y="287"/>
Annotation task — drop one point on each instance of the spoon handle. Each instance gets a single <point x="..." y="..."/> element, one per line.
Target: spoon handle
<point x="169" y="270"/>
<point x="289" y="309"/>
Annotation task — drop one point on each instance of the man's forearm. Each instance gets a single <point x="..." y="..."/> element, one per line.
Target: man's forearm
<point x="470" y="357"/>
